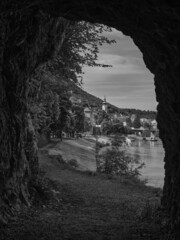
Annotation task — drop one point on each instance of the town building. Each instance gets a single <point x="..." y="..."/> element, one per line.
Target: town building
<point x="105" y="105"/>
<point x="154" y="124"/>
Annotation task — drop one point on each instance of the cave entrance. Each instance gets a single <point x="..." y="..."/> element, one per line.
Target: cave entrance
<point x="30" y="34"/>
<point x="129" y="85"/>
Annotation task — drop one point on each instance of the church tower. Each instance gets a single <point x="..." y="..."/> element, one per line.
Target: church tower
<point x="104" y="105"/>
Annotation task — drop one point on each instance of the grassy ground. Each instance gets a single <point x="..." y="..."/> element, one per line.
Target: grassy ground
<point x="82" y="150"/>
<point x="82" y="205"/>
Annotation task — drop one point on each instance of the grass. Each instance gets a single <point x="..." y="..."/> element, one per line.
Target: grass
<point x="86" y="206"/>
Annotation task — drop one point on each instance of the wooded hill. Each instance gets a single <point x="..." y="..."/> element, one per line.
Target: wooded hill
<point x="88" y="99"/>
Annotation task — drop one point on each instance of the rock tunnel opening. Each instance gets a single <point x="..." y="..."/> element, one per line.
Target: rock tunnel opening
<point x="128" y="84"/>
<point x="31" y="33"/>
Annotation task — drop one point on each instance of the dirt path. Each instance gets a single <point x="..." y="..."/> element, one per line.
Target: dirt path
<point x="86" y="207"/>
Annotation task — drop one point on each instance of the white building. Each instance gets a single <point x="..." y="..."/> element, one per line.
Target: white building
<point x="104" y="105"/>
<point x="154" y="124"/>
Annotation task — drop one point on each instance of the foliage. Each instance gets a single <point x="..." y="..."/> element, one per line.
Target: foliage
<point x="78" y="117"/>
<point x="87" y="124"/>
<point x="50" y="105"/>
<point x="102" y="144"/>
<point x="118" y="129"/>
<point x="150" y="210"/>
<point x="141" y="113"/>
<point x="80" y="47"/>
<point x="113" y="128"/>
<point x="129" y="122"/>
<point x="106" y="127"/>
<point x="117" y="162"/>
<point x="147" y="125"/>
<point x="73" y="163"/>
<point x="52" y="86"/>
<point x="118" y="140"/>
<point x="101" y="116"/>
<point x="137" y="123"/>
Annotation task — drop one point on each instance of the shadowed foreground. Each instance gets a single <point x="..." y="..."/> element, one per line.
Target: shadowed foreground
<point x="77" y="205"/>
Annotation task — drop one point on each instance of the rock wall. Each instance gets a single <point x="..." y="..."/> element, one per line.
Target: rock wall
<point x="154" y="27"/>
<point x="29" y="37"/>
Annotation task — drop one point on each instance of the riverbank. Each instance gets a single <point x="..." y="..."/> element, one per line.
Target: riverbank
<point x="71" y="204"/>
<point x="82" y="150"/>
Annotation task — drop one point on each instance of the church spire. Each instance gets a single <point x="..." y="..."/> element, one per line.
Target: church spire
<point x="104" y="105"/>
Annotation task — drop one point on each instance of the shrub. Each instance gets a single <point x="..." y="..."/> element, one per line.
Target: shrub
<point x="116" y="162"/>
<point x="149" y="211"/>
<point x="60" y="159"/>
<point x="102" y="144"/>
<point x="73" y="163"/>
<point x="118" y="140"/>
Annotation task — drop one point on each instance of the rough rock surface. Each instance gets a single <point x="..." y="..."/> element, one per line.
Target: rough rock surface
<point x="28" y="38"/>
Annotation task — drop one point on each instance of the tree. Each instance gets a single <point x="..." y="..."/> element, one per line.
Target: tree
<point x="117" y="162"/>
<point x="129" y="122"/>
<point x="147" y="125"/>
<point x="79" y="118"/>
<point x="113" y="128"/>
<point x="118" y="128"/>
<point x="106" y="127"/>
<point x="80" y="47"/>
<point x="137" y="123"/>
<point x="87" y="124"/>
<point x="49" y="107"/>
<point x="101" y="116"/>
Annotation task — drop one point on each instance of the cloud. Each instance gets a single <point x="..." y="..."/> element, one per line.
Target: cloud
<point x="120" y="65"/>
<point x="128" y="83"/>
<point x="124" y="45"/>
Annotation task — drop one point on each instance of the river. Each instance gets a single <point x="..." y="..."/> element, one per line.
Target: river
<point x="152" y="154"/>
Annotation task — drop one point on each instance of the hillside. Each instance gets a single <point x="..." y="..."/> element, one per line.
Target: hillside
<point x="93" y="101"/>
<point x="70" y="204"/>
<point x="86" y="98"/>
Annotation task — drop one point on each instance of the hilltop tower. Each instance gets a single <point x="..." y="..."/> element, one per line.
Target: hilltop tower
<point x="104" y="105"/>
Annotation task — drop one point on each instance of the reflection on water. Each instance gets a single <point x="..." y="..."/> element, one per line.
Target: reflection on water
<point x="152" y="154"/>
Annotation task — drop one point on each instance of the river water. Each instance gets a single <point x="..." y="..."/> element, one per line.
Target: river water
<point x="152" y="154"/>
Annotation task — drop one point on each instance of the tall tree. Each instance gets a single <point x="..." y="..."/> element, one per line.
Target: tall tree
<point x="136" y="122"/>
<point x="79" y="118"/>
<point x="80" y="47"/>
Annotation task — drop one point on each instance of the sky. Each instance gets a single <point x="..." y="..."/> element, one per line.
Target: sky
<point x="128" y="84"/>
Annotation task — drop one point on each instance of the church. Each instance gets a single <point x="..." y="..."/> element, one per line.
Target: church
<point x="105" y="105"/>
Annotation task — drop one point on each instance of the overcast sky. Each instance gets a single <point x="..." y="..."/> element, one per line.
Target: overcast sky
<point x="128" y="84"/>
